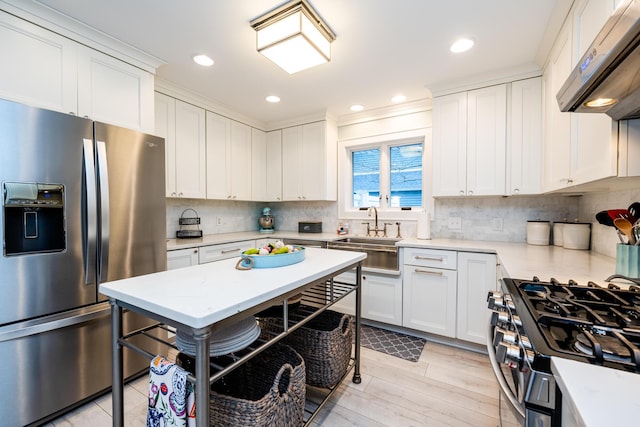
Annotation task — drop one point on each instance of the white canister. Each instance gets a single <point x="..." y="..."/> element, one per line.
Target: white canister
<point x="538" y="232"/>
<point x="558" y="239"/>
<point x="576" y="235"/>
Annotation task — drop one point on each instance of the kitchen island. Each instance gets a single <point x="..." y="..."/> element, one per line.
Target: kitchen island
<point x="210" y="296"/>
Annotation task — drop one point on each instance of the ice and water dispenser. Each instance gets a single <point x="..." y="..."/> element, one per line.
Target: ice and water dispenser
<point x="33" y="218"/>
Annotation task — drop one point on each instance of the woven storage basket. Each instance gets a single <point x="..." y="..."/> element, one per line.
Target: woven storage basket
<point x="324" y="343"/>
<point x="268" y="390"/>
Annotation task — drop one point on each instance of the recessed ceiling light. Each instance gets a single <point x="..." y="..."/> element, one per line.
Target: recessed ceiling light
<point x="461" y="45"/>
<point x="357" y="107"/>
<point x="272" y="98"/>
<point x="399" y="98"/>
<point x="203" y="60"/>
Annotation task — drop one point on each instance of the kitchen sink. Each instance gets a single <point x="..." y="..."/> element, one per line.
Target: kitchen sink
<point x="384" y="241"/>
<point x="382" y="252"/>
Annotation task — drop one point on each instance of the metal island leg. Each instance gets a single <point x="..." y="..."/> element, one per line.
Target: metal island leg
<point x="117" y="380"/>
<point x="357" y="379"/>
<point x="201" y="337"/>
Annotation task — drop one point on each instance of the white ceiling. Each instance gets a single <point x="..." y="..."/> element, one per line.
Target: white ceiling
<point x="383" y="47"/>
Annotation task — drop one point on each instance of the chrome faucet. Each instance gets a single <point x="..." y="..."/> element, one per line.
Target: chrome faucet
<point x="375" y="210"/>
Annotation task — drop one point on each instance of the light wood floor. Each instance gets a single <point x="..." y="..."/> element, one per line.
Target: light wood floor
<point x="446" y="387"/>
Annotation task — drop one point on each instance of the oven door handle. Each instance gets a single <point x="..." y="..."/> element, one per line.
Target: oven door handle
<point x="502" y="382"/>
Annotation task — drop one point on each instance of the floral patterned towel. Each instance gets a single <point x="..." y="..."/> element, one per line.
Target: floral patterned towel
<point x="171" y="398"/>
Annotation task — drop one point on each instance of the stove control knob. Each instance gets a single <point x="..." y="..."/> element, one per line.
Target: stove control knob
<point x="502" y="335"/>
<point x="499" y="318"/>
<point x="498" y="303"/>
<point x="516" y="320"/>
<point x="525" y="342"/>
<point x="508" y="354"/>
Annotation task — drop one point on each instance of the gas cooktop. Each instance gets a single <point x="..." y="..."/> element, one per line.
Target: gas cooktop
<point x="592" y="323"/>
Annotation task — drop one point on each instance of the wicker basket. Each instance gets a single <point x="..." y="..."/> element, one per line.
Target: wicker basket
<point x="268" y="390"/>
<point x="324" y="343"/>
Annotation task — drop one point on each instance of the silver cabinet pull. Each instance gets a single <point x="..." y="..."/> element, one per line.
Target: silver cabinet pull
<point x="433" y="273"/>
<point x="226" y="251"/>
<point x="427" y="258"/>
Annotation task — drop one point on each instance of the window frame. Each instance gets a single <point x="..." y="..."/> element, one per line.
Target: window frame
<point x="385" y="211"/>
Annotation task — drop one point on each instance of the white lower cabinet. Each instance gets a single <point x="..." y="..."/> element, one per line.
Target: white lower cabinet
<point x="429" y="293"/>
<point x="182" y="258"/>
<point x="477" y="275"/>
<point x="381" y="297"/>
<point x="445" y="292"/>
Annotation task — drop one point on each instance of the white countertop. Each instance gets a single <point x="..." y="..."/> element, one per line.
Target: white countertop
<point x="194" y="295"/>
<point x="215" y="239"/>
<point x="598" y="396"/>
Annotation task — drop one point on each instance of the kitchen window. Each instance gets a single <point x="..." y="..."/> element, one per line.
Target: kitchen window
<point x="393" y="175"/>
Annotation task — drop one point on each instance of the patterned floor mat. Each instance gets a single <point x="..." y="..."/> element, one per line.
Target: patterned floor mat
<point x="399" y="345"/>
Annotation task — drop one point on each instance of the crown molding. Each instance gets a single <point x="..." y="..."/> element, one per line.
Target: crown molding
<point x="52" y="20"/>
<point x="386" y="112"/>
<point x="492" y="78"/>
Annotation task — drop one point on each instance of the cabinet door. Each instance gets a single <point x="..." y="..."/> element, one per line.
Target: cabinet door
<point x="39" y="68"/>
<point x="314" y="180"/>
<point x="557" y="144"/>
<point x="182" y="258"/>
<point x="218" y="156"/>
<point x="190" y="151"/>
<point x="476" y="277"/>
<point x="382" y="298"/>
<point x="525" y="139"/>
<point x="486" y="141"/>
<point x="113" y="91"/>
<point x="266" y="169"/>
<point x="274" y="173"/>
<point x="259" y="166"/>
<point x="239" y="168"/>
<point x="450" y="145"/>
<point x="292" y="163"/>
<point x="165" y="126"/>
<point x="429" y="300"/>
<point x="594" y="139"/>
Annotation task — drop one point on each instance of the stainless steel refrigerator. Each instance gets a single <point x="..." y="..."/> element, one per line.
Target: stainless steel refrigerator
<point x="82" y="203"/>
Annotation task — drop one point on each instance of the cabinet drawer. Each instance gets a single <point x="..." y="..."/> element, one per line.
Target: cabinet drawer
<point x="430" y="258"/>
<point x="224" y="251"/>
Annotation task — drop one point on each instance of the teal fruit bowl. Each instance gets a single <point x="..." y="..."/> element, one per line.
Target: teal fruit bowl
<point x="273" y="261"/>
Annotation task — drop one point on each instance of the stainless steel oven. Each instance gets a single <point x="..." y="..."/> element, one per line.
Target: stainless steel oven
<point x="533" y="321"/>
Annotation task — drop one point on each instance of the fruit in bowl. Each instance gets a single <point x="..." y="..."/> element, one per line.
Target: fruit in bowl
<point x="276" y="248"/>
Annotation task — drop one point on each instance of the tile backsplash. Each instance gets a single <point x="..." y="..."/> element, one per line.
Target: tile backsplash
<point x="482" y="218"/>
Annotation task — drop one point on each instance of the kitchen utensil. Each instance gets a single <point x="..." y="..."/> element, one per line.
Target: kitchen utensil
<point x="634" y="210"/>
<point x="626" y="228"/>
<point x="620" y="213"/>
<point x="604" y="218"/>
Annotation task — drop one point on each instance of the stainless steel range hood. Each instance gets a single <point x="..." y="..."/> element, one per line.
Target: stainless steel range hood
<point x="609" y="72"/>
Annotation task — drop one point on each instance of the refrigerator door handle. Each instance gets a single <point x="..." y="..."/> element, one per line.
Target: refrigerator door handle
<point x="103" y="182"/>
<point x="14" y="332"/>
<point x="89" y="219"/>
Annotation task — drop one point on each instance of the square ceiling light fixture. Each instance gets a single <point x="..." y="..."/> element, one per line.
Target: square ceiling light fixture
<point x="294" y="37"/>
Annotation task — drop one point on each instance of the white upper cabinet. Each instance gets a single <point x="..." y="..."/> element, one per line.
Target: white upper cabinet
<point x="579" y="148"/>
<point x="183" y="127"/>
<point x="39" y="68"/>
<point x="43" y="69"/>
<point x="228" y="159"/>
<point x="266" y="169"/>
<point x="469" y="142"/>
<point x="113" y="91"/>
<point x="524" y="141"/>
<point x="309" y="162"/>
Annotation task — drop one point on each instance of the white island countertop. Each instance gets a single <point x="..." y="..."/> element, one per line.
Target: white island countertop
<point x="204" y="294"/>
